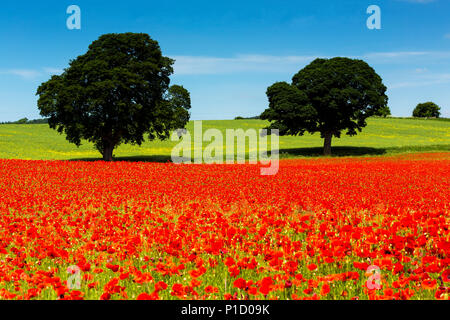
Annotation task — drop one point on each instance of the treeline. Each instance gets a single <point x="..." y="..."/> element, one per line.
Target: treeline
<point x="376" y="116"/>
<point x="249" y="118"/>
<point x="26" y="121"/>
<point x="428" y="110"/>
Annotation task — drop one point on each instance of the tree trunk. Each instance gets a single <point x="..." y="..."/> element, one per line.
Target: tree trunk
<point x="108" y="152"/>
<point x="327" y="144"/>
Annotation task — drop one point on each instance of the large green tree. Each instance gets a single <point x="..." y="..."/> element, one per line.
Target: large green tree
<point x="427" y="110"/>
<point x="327" y="96"/>
<point x="117" y="92"/>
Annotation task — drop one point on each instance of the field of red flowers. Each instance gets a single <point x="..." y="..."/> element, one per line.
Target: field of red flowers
<point x="361" y="228"/>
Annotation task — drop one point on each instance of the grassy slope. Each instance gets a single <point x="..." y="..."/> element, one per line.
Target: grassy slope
<point x="381" y="136"/>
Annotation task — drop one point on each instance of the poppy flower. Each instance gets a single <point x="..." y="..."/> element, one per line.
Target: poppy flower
<point x="429" y="284"/>
<point x="146" y="296"/>
<point x="105" y="296"/>
<point x="325" y="289"/>
<point x="446" y="275"/>
<point x="312" y="267"/>
<point x="160" y="285"/>
<point x="113" y="268"/>
<point x="240" y="283"/>
<point x="211" y="289"/>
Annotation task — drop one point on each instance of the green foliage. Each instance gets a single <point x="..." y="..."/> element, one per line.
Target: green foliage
<point x="22" y="121"/>
<point x="247" y="118"/>
<point x="290" y="110"/>
<point x="427" y="110"/>
<point x="115" y="93"/>
<point x="38" y="121"/>
<point x="327" y="96"/>
<point x="383" y="112"/>
<point x="26" y="121"/>
<point x="178" y="103"/>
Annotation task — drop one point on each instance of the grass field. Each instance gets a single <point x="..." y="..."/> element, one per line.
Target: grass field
<point x="380" y="137"/>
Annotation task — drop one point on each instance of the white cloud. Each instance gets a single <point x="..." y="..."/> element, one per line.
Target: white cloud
<point x="419" y="1"/>
<point x="27" y="74"/>
<point x="255" y="63"/>
<point x="407" y="57"/>
<point x="31" y="74"/>
<point x="190" y="65"/>
<point x="397" y="54"/>
<point x="194" y="65"/>
<point x="428" y="80"/>
<point x="419" y="77"/>
<point x="421" y="70"/>
<point x="197" y="65"/>
<point x="53" y="70"/>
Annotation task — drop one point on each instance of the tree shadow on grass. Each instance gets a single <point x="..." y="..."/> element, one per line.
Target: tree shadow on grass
<point x="152" y="158"/>
<point x="284" y="153"/>
<point x="335" y="152"/>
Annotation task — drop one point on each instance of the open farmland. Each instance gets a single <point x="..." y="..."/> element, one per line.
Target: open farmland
<point x="380" y="137"/>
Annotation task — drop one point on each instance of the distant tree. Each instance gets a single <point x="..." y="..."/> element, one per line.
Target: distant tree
<point x="383" y="112"/>
<point x="327" y="96"/>
<point x="247" y="118"/>
<point x="427" y="110"/>
<point x="38" y="121"/>
<point x="22" y="121"/>
<point x="115" y="93"/>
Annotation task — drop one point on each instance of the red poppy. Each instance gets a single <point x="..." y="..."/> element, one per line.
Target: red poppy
<point x="240" y="283"/>
<point x="312" y="267"/>
<point x="160" y="285"/>
<point x="105" y="296"/>
<point x="325" y="289"/>
<point x="112" y="267"/>
<point x="429" y="284"/>
<point x="446" y="275"/>
<point x="211" y="289"/>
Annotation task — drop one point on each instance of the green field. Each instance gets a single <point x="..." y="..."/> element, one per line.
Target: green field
<point x="380" y="137"/>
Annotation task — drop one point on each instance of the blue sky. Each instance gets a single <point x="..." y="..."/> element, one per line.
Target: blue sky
<point x="229" y="52"/>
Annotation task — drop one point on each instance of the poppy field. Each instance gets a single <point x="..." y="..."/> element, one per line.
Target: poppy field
<point x="349" y="228"/>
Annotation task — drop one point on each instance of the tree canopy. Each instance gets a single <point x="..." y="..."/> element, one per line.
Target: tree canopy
<point x="117" y="92"/>
<point x="327" y="96"/>
<point x="383" y="112"/>
<point x="427" y="110"/>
